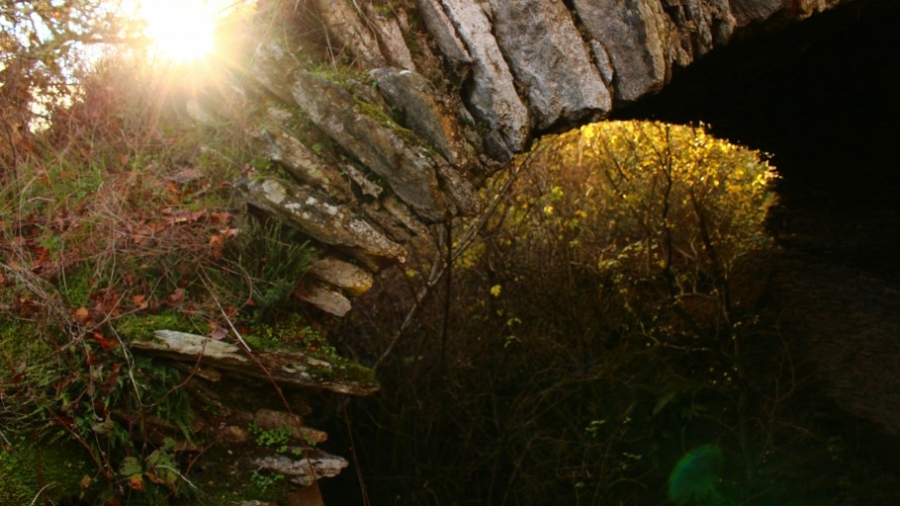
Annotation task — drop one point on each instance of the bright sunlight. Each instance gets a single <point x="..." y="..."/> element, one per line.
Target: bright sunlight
<point x="180" y="30"/>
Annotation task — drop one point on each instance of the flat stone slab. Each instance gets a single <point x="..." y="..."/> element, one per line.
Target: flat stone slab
<point x="282" y="366"/>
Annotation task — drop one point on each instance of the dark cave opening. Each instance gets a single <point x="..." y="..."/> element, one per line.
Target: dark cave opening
<point x="823" y="97"/>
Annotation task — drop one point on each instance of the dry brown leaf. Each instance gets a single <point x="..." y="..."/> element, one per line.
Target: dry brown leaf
<point x="140" y="301"/>
<point x="105" y="343"/>
<point x="82" y="315"/>
<point x="216" y="242"/>
<point x="218" y="333"/>
<point x="176" y="297"/>
<point x="220" y="218"/>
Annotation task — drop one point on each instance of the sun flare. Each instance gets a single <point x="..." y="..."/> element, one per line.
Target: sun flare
<point x="180" y="30"/>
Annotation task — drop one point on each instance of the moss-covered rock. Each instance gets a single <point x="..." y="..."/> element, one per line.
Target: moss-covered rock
<point x="142" y="327"/>
<point x="295" y="334"/>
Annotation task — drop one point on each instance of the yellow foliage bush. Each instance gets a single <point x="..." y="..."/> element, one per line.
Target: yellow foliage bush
<point x="660" y="213"/>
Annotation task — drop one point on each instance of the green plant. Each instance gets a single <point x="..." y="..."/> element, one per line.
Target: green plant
<point x="276" y="438"/>
<point x="265" y="481"/>
<point x="293" y="332"/>
<point x="159" y="467"/>
<point x="261" y="266"/>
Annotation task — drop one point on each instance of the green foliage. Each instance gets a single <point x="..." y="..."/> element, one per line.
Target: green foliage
<point x="658" y="214"/>
<point x="141" y="327"/>
<point x="27" y="466"/>
<point x="88" y="400"/>
<point x="265" y="481"/>
<point x="261" y="266"/>
<point x="276" y="438"/>
<point x="118" y="219"/>
<point x="294" y="333"/>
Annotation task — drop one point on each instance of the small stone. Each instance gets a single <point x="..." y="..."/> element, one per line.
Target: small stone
<point x="325" y="299"/>
<point x="352" y="279"/>
<point x="234" y="434"/>
<point x="270" y="419"/>
<point x="305" y="470"/>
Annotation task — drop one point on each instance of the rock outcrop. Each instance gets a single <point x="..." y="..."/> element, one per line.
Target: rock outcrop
<point x="283" y="367"/>
<point x="222" y="380"/>
<point x="432" y="94"/>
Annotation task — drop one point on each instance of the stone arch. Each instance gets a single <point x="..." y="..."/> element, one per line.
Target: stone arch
<point x="446" y="91"/>
<point x="453" y="88"/>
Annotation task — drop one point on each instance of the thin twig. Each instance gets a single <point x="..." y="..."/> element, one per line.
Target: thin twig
<point x="177" y="472"/>
<point x="206" y="284"/>
<point x="359" y="476"/>
<point x="440" y="268"/>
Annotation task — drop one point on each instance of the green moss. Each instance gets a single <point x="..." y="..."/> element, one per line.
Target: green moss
<point x="385" y="119"/>
<point x="349" y="370"/>
<point x="345" y="77"/>
<point x="293" y="333"/>
<point x="142" y="327"/>
<point x="75" y="288"/>
<point x="21" y="341"/>
<point x="25" y="468"/>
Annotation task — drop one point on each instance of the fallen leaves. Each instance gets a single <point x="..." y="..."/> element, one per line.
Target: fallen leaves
<point x="217" y="241"/>
<point x="81" y="315"/>
<point x="218" y="332"/>
<point x="140" y="302"/>
<point x="176" y="297"/>
<point x="104" y="342"/>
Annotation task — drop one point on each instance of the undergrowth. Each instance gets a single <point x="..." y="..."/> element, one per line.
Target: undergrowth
<point x="118" y="220"/>
<point x="612" y="315"/>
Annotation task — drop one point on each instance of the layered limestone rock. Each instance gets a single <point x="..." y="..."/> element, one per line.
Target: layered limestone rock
<point x="492" y="95"/>
<point x="423" y="96"/>
<point x="279" y="146"/>
<point x="630" y="35"/>
<point x="350" y="31"/>
<point x="549" y="60"/>
<point x="323" y="220"/>
<point x="352" y="279"/>
<point x="426" y="111"/>
<point x="305" y="470"/>
<point x="381" y="145"/>
<point x="390" y="36"/>
<point x="222" y="380"/>
<point x="284" y="367"/>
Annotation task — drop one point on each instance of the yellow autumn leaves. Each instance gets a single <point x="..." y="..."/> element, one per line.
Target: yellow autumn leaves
<point x="644" y="199"/>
